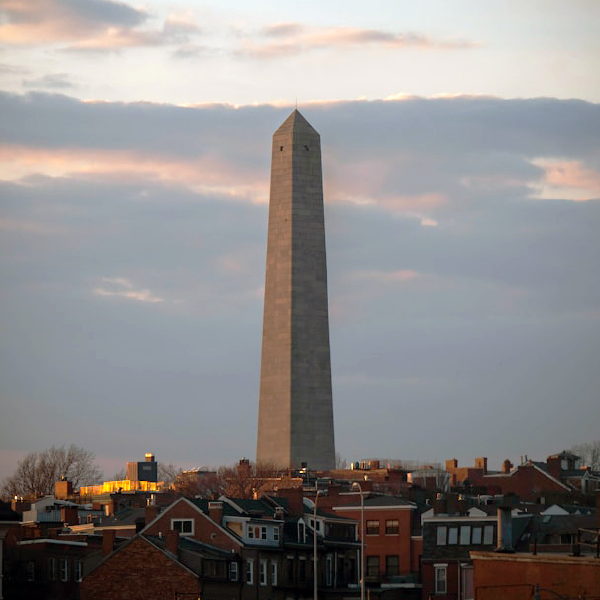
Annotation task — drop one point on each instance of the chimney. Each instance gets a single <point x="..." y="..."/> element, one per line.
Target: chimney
<point x="507" y="466"/>
<point x="279" y="513"/>
<point x="150" y="513"/>
<point x="69" y="516"/>
<point x="108" y="541"/>
<point x="215" y="511"/>
<point x="451" y="465"/>
<point x="294" y="498"/>
<point x="481" y="463"/>
<point x="63" y="489"/>
<point x="505" y="533"/>
<point x="440" y="505"/>
<point x="172" y="542"/>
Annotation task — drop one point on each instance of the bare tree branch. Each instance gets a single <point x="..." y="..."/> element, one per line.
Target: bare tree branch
<point x="37" y="473"/>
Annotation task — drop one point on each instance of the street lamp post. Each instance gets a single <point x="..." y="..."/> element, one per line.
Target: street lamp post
<point x="356" y="486"/>
<point x="315" y="593"/>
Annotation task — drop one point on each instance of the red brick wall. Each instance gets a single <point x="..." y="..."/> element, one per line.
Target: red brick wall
<point x="138" y="571"/>
<point x="204" y="529"/>
<point x="508" y="577"/>
<point x="383" y="545"/>
<point x="528" y="483"/>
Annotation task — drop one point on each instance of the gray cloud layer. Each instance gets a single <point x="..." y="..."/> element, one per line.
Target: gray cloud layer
<point x="464" y="307"/>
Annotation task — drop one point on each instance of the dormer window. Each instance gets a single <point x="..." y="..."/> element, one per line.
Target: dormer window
<point x="301" y="531"/>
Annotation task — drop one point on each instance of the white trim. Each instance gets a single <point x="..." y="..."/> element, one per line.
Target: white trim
<point x="47" y="541"/>
<point x="222" y="529"/>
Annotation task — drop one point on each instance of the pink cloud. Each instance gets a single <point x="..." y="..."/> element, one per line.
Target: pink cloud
<point x="203" y="174"/>
<point x="293" y="38"/>
<point x="568" y="179"/>
<point x="101" y="25"/>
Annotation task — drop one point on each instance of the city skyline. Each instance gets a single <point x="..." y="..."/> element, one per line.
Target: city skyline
<point x="462" y="186"/>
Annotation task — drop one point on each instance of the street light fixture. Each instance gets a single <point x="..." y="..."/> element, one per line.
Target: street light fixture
<point x="319" y="492"/>
<point x="356" y="486"/>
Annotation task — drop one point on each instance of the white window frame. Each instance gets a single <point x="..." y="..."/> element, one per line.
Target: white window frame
<point x="301" y="531"/>
<point x="276" y="533"/>
<point x="30" y="570"/>
<point x="233" y="571"/>
<point x="273" y="572"/>
<point x="440" y="583"/>
<point x="78" y="571"/>
<point x="328" y="570"/>
<point x="249" y="571"/>
<point x="52" y="569"/>
<point x="182" y="521"/>
<point x="250" y="531"/>
<point x="263" y="532"/>
<point x="63" y="569"/>
<point x="263" y="572"/>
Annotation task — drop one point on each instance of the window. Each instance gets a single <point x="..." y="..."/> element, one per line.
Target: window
<point x="30" y="570"/>
<point x="78" y="571"/>
<point x="372" y="566"/>
<point x="329" y="570"/>
<point x="301" y="532"/>
<point x="250" y="532"/>
<point x="52" y="569"/>
<point x="372" y="527"/>
<point x="63" y="566"/>
<point x="263" y="532"/>
<point x="442" y="533"/>
<point x="488" y="534"/>
<point x="302" y="569"/>
<point x="465" y="535"/>
<point x="233" y="571"/>
<point x="452" y="535"/>
<point x="273" y="573"/>
<point x="249" y="571"/>
<point x="392" y="566"/>
<point x="391" y="527"/>
<point x="289" y="569"/>
<point x="276" y="534"/>
<point x="263" y="572"/>
<point x="440" y="579"/>
<point x="183" y="526"/>
<point x="476" y="539"/>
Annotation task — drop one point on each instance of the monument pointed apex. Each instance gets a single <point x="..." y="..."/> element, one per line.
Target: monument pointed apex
<point x="295" y="122"/>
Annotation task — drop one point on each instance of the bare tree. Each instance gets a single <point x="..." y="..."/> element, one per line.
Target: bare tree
<point x="167" y="473"/>
<point x="37" y="473"/>
<point x="245" y="479"/>
<point x="589" y="453"/>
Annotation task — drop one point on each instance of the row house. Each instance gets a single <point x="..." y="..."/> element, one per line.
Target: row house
<point x="451" y="531"/>
<point x="245" y="549"/>
<point x="392" y="540"/>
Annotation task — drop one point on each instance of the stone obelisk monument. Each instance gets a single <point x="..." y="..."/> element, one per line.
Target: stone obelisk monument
<point x="295" y="417"/>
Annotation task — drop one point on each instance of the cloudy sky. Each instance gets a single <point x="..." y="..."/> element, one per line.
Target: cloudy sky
<point x="461" y="162"/>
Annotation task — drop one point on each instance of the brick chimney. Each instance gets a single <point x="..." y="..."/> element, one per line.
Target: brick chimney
<point x="68" y="515"/>
<point x="172" y="542"/>
<point x="481" y="463"/>
<point x="63" y="489"/>
<point x="507" y="466"/>
<point x="108" y="541"/>
<point x="151" y="512"/>
<point x="215" y="511"/>
<point x="294" y="498"/>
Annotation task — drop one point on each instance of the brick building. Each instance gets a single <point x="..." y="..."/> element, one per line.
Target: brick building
<point x="544" y="576"/>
